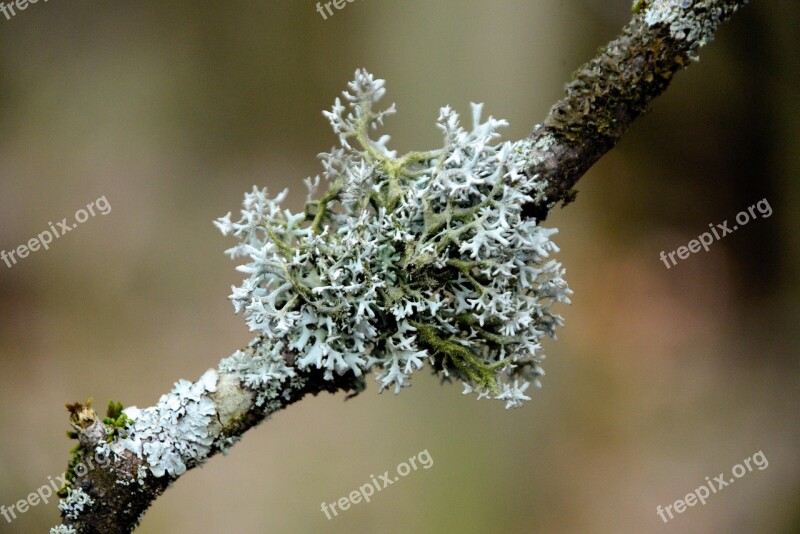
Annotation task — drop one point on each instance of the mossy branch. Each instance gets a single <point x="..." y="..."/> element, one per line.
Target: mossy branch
<point x="609" y="92"/>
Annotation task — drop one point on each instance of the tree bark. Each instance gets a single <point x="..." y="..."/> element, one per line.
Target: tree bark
<point x="609" y="92"/>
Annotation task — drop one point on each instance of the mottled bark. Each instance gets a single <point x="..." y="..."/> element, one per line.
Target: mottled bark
<point x="609" y="92"/>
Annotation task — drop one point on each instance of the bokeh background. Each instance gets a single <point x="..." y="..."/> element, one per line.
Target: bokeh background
<point x="173" y="109"/>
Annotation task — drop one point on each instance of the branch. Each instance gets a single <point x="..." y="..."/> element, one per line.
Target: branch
<point x="145" y="451"/>
<point x="198" y="420"/>
<point x="609" y="92"/>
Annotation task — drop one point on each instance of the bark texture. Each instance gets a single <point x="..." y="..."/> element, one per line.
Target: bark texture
<point x="609" y="92"/>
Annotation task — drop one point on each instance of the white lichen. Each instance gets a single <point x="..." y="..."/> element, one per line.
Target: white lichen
<point x="179" y="431"/>
<point x="75" y="504"/>
<point x="404" y="260"/>
<point x="534" y="154"/>
<point x="63" y="529"/>
<point x="261" y="369"/>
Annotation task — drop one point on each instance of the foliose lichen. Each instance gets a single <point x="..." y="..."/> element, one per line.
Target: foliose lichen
<point x="403" y="260"/>
<point x="75" y="504"/>
<point x="260" y="369"/>
<point x="176" y="433"/>
<point x="62" y="529"/>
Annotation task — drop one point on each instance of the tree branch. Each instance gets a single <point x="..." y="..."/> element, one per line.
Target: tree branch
<point x="609" y="92"/>
<point x="123" y="488"/>
<point x="197" y="420"/>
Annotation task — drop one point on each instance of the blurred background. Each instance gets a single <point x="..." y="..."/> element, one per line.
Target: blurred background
<point x="171" y="110"/>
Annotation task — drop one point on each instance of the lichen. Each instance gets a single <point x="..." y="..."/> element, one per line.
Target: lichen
<point x="62" y="529"/>
<point x="260" y="369"/>
<point x="694" y="21"/>
<point x="403" y="260"/>
<point x="75" y="504"/>
<point x="232" y="401"/>
<point x="176" y="433"/>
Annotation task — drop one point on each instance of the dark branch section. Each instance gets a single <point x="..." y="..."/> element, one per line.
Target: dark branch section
<point x="609" y="92"/>
<point x="604" y="97"/>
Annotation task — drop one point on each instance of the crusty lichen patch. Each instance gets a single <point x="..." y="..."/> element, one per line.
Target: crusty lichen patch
<point x="178" y="431"/>
<point x="694" y="21"/>
<point x="233" y="402"/>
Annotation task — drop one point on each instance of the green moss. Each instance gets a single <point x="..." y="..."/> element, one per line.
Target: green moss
<point x="114" y="409"/>
<point x="116" y="422"/>
<point x="69" y="475"/>
<point x="82" y="416"/>
<point x="639" y="6"/>
<point x="459" y="357"/>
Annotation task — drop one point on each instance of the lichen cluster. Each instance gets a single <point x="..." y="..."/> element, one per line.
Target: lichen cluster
<point x="76" y="502"/>
<point x="265" y="372"/>
<point x="403" y="260"/>
<point x="424" y="257"/>
<point x="177" y="432"/>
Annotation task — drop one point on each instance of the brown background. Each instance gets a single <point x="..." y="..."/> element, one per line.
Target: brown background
<point x="173" y="109"/>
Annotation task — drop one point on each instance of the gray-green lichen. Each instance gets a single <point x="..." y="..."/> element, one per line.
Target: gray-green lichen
<point x="403" y="260"/>
<point x="431" y="256"/>
<point x="176" y="433"/>
<point x="261" y="370"/>
<point x="76" y="503"/>
<point x="63" y="529"/>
